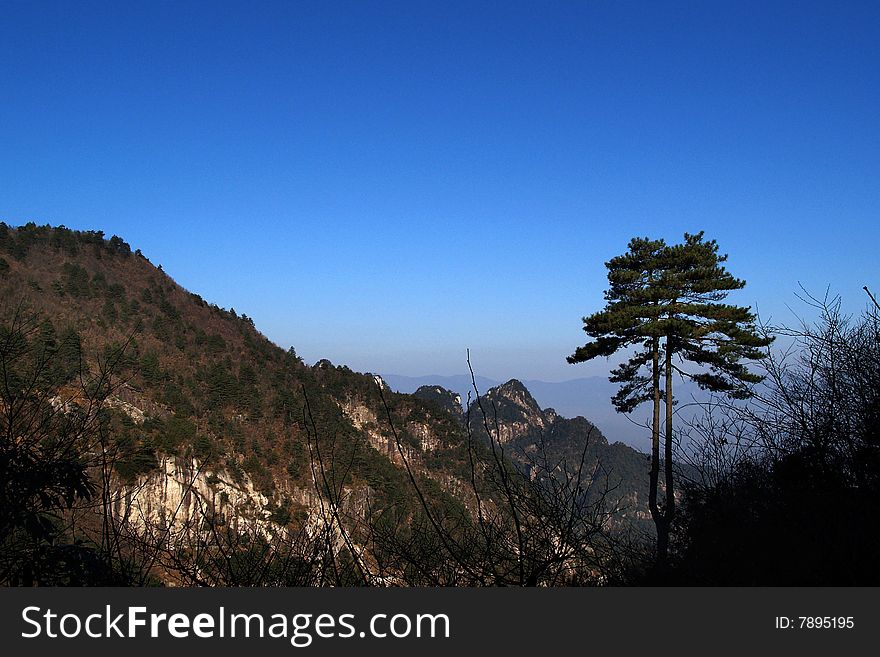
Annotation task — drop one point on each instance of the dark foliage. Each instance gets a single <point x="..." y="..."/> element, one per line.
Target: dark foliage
<point x="791" y="486"/>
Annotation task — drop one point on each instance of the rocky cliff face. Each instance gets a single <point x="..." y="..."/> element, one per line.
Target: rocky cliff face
<point x="182" y="494"/>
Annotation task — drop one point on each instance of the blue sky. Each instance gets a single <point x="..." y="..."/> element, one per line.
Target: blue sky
<point x="388" y="184"/>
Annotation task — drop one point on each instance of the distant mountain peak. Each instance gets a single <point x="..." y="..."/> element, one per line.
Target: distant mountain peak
<point x="514" y="386"/>
<point x="511" y="408"/>
<point x="515" y="392"/>
<point x="446" y="399"/>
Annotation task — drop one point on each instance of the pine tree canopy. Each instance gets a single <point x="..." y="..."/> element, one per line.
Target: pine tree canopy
<point x="674" y="293"/>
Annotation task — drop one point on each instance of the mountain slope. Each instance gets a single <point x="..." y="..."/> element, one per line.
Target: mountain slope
<point x="194" y="381"/>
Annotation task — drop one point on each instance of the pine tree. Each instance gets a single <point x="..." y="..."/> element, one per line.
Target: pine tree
<point x="666" y="301"/>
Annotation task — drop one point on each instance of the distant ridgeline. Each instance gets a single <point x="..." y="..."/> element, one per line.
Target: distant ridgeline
<point x="203" y="423"/>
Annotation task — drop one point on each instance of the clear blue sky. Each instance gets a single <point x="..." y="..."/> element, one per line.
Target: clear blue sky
<point x="387" y="184"/>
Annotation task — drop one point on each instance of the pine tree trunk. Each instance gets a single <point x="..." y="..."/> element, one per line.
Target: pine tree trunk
<point x="656" y="515"/>
<point x="670" y="484"/>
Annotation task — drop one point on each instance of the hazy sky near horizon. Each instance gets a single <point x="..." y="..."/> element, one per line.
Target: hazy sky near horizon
<point x="387" y="184"/>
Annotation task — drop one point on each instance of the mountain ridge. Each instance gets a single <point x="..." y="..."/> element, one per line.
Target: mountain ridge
<point x="588" y="397"/>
